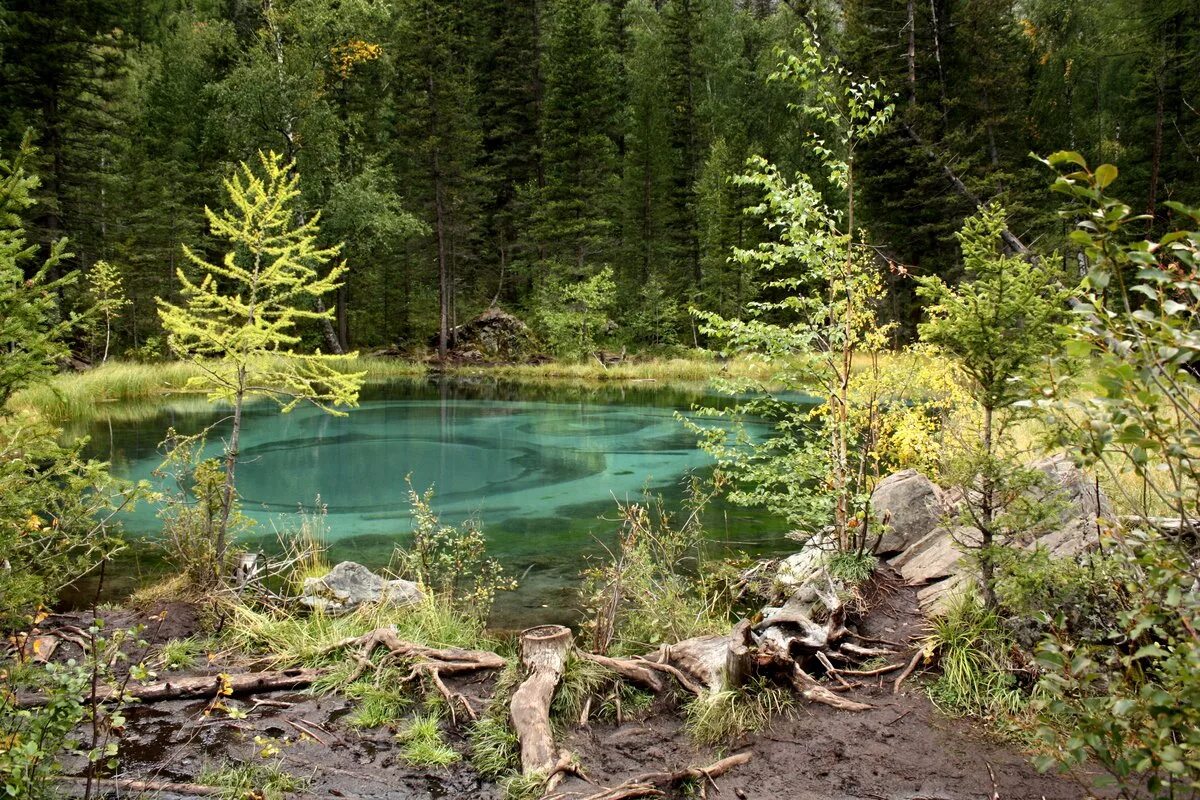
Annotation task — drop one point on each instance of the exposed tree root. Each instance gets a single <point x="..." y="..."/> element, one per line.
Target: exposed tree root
<point x="656" y="784"/>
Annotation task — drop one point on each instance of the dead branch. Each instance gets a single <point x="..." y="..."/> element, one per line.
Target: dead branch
<point x="203" y="686"/>
<point x="655" y="784"/>
<point x="912" y="665"/>
<point x="631" y="670"/>
<point x="122" y="785"/>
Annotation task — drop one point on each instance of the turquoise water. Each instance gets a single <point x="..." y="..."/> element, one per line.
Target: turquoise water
<point x="541" y="468"/>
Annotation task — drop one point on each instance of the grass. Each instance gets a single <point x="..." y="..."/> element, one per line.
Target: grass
<point x="851" y="567"/>
<point x="380" y="700"/>
<point x="423" y="745"/>
<point x="972" y="649"/>
<point x="267" y="781"/>
<point x="180" y="654"/>
<point x="581" y="679"/>
<point x="721" y="717"/>
<point x="524" y="787"/>
<point x="494" y="748"/>
<point x="625" y="702"/>
<point x="286" y="640"/>
<point x="141" y="388"/>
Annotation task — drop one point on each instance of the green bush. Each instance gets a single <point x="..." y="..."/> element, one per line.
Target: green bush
<point x="973" y="649"/>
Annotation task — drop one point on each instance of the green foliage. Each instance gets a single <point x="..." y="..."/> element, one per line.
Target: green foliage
<point x="32" y="326"/>
<point x="191" y="510"/>
<point x="106" y="294"/>
<point x="1126" y="697"/>
<point x="423" y="745"/>
<point x="238" y="781"/>
<point x="721" y="717"/>
<point x="1000" y="325"/>
<point x="657" y="586"/>
<point x="821" y="287"/>
<point x="1130" y="701"/>
<point x="380" y="699"/>
<point x="495" y="749"/>
<point x="1002" y="320"/>
<point x="35" y="738"/>
<point x="574" y="315"/>
<point x="972" y="648"/>
<point x="451" y="562"/>
<point x="241" y="321"/>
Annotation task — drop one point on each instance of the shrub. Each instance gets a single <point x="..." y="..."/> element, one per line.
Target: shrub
<point x="973" y="649"/>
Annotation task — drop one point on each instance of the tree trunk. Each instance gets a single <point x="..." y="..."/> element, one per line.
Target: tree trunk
<point x="911" y="24"/>
<point x="1156" y="152"/>
<point x="543" y="653"/>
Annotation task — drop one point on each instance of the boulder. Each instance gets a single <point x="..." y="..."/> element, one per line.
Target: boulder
<point x="1081" y="506"/>
<point x="350" y="584"/>
<point x="800" y="568"/>
<point x="940" y="556"/>
<point x="493" y="336"/>
<point x="909" y="506"/>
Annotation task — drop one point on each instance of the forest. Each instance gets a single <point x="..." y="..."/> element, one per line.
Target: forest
<point x="600" y="399"/>
<point x="490" y="152"/>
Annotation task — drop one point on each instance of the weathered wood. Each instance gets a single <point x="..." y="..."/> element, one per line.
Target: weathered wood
<point x="121" y="785"/>
<point x="203" y="686"/>
<point x="654" y="784"/>
<point x="633" y="671"/>
<point x="543" y="654"/>
<point x="811" y="689"/>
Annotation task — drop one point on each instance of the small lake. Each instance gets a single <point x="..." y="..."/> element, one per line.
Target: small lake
<point x="541" y="467"/>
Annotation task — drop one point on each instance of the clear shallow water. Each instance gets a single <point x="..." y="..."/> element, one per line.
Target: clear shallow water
<point x="541" y="468"/>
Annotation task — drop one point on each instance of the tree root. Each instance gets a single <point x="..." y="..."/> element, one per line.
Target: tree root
<point x="655" y="784"/>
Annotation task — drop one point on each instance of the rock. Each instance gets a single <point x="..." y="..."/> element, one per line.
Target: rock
<point x="940" y="557"/>
<point x="349" y="585"/>
<point x="493" y="336"/>
<point x="1069" y="486"/>
<point x="909" y="505"/>
<point x="936" y="598"/>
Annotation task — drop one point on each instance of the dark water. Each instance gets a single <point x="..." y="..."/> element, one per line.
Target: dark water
<point x="542" y="469"/>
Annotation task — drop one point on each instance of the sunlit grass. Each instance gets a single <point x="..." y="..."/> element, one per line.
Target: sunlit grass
<point x="119" y="388"/>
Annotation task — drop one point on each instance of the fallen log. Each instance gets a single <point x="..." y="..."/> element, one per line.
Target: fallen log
<point x="119" y="785"/>
<point x="652" y="784"/>
<point x="203" y="686"/>
<point x="544" y="655"/>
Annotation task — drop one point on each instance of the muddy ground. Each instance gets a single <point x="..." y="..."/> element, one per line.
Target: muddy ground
<point x="900" y="749"/>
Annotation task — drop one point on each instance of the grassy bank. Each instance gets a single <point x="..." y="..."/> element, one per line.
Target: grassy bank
<point x="106" y="389"/>
<point x="80" y="396"/>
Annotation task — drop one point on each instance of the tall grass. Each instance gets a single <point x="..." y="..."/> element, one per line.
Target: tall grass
<point x="85" y="395"/>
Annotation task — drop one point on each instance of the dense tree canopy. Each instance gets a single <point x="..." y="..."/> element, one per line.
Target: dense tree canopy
<point x="488" y="151"/>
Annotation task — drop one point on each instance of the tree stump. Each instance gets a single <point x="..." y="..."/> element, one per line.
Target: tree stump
<point x="543" y="654"/>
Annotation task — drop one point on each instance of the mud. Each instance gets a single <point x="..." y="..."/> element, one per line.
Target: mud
<point x="900" y="749"/>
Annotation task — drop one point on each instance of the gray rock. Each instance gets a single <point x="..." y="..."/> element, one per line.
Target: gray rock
<point x="909" y="505"/>
<point x="799" y="568"/>
<point x="349" y="585"/>
<point x="940" y="557"/>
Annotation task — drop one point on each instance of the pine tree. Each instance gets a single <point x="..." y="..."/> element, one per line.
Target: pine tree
<point x="240" y="320"/>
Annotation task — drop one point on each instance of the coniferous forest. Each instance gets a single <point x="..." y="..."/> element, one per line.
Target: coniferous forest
<point x="600" y="399"/>
<point x="494" y="152"/>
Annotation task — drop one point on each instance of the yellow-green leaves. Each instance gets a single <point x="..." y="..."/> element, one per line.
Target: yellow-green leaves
<point x="242" y="315"/>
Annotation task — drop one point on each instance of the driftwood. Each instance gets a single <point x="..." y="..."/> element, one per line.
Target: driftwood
<point x="717" y="662"/>
<point x="632" y="670"/>
<point x="203" y="686"/>
<point x="655" y="784"/>
<point x="121" y="785"/>
<point x="544" y="652"/>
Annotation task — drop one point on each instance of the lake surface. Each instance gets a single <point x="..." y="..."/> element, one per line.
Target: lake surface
<point x="541" y="468"/>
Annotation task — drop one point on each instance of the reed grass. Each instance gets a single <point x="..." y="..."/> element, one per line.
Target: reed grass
<point x="119" y="388"/>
